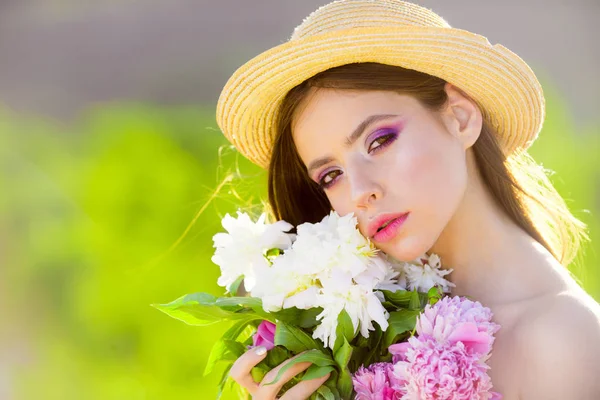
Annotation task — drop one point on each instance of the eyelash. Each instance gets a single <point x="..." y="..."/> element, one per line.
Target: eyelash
<point x="389" y="139"/>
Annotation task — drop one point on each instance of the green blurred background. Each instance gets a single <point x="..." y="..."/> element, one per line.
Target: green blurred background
<point x="97" y="194"/>
<point x="89" y="217"/>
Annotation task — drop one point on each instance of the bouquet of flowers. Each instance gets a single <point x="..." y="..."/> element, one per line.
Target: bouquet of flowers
<point x="381" y="328"/>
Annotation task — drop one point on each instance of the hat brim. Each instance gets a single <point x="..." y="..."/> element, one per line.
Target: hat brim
<point x="499" y="81"/>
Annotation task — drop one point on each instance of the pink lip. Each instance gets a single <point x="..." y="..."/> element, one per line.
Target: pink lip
<point x="390" y="230"/>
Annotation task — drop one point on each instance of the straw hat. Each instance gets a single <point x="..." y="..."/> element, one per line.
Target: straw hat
<point x="388" y="32"/>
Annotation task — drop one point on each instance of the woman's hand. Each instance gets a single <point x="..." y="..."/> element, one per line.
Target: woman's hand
<point x="240" y="372"/>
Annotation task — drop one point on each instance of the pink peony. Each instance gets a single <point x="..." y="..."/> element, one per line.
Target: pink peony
<point x="398" y="351"/>
<point x="265" y="335"/>
<point x="447" y="358"/>
<point x="457" y="319"/>
<point x="442" y="371"/>
<point x="377" y="382"/>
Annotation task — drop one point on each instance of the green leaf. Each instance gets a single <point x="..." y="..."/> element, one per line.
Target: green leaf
<point x="250" y="302"/>
<point x="235" y="348"/>
<point x="400" y="298"/>
<point x="314" y="372"/>
<point x="276" y="356"/>
<point x="342" y="356"/>
<point x="223" y="380"/>
<point x="415" y="300"/>
<point x="242" y="326"/>
<point x="239" y="391"/>
<point x="294" y="339"/>
<point x="359" y="357"/>
<point x="289" y="315"/>
<point x="406" y="299"/>
<point x="343" y="331"/>
<point x="198" y="309"/>
<point x="308" y="318"/>
<point x="258" y="372"/>
<point x="390" y="306"/>
<point x="332" y="384"/>
<point x="217" y="353"/>
<point x="297" y="317"/>
<point x="316" y="357"/>
<point x="374" y="346"/>
<point x="434" y="295"/>
<point x="241" y="304"/>
<point x="325" y="393"/>
<point x="401" y="322"/>
<point x="345" y="383"/>
<point x="235" y="286"/>
<point x="223" y="350"/>
<point x="362" y="341"/>
<point x="272" y="254"/>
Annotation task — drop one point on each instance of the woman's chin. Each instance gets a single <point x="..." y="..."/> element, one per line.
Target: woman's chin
<point x="406" y="248"/>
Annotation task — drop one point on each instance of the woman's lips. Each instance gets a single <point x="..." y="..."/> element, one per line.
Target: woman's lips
<point x="390" y="230"/>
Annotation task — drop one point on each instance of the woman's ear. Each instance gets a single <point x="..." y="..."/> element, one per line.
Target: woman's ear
<point x="462" y="116"/>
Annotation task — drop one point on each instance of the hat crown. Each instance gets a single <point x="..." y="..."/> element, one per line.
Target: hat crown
<point x="348" y="14"/>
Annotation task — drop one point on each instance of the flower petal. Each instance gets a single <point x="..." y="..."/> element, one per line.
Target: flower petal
<point x="474" y="340"/>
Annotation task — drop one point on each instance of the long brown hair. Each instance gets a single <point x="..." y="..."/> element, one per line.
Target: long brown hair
<point x="519" y="185"/>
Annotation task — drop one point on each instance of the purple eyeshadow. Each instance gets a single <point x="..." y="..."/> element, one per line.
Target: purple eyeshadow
<point x="324" y="173"/>
<point x="391" y="133"/>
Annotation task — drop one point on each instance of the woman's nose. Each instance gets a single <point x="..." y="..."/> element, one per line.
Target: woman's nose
<point x="364" y="187"/>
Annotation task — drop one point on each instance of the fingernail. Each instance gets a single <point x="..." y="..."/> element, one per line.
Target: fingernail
<point x="260" y="350"/>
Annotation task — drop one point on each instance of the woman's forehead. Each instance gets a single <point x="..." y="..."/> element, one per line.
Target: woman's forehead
<point x="339" y="108"/>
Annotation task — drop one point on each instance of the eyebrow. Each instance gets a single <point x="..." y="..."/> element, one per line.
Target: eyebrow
<point x="350" y="140"/>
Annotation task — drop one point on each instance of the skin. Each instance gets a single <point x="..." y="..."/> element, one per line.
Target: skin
<point x="240" y="372"/>
<point x="549" y="344"/>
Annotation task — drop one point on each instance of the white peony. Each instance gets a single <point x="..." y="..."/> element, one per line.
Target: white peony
<point x="330" y="265"/>
<point x="335" y="242"/>
<point x="320" y="248"/>
<point x="384" y="274"/>
<point x="399" y="268"/>
<point x="286" y="284"/>
<point x="240" y="251"/>
<point x="361" y="303"/>
<point x="425" y="273"/>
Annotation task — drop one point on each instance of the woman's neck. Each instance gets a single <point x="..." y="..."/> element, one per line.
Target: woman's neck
<point x="494" y="260"/>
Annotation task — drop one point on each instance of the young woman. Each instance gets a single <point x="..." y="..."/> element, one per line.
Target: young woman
<point x="381" y="109"/>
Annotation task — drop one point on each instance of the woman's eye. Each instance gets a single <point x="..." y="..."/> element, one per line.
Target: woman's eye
<point x="382" y="141"/>
<point x="328" y="179"/>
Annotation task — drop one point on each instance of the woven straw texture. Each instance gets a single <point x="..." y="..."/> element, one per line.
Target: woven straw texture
<point x="387" y="32"/>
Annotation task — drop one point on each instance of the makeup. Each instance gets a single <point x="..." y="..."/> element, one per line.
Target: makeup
<point x="382" y="138"/>
<point x="378" y="140"/>
<point x="332" y="177"/>
<point x="391" y="229"/>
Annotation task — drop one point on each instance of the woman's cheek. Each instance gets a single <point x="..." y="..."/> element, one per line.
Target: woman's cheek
<point x="340" y="202"/>
<point x="411" y="170"/>
<point x="430" y="167"/>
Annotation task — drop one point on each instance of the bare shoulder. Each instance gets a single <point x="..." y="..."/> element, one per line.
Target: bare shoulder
<point x="559" y="348"/>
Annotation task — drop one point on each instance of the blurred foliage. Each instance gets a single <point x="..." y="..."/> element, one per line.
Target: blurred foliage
<point x="92" y="218"/>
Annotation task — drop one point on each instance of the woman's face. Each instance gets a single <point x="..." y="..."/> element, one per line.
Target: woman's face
<point x="385" y="157"/>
